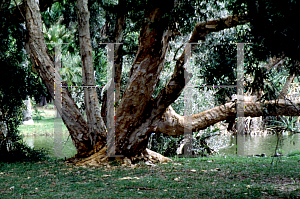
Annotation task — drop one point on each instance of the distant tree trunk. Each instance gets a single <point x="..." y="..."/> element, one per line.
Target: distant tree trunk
<point x="43" y="101"/>
<point x="27" y="113"/>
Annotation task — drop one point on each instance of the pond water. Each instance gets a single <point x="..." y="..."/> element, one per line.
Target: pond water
<point x="62" y="146"/>
<point x="58" y="146"/>
<point x="249" y="145"/>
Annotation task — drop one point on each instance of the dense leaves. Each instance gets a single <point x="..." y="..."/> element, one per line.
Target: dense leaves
<point x="17" y="84"/>
<point x="17" y="81"/>
<point x="274" y="26"/>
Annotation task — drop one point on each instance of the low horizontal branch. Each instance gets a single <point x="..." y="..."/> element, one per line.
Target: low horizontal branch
<point x="175" y="124"/>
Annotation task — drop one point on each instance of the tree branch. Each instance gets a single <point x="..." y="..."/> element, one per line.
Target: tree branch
<point x="275" y="63"/>
<point x="177" y="82"/>
<point x="155" y="108"/>
<point x="173" y="124"/>
<point x="286" y="86"/>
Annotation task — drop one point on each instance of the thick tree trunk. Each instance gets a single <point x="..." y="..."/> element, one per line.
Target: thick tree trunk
<point x="135" y="105"/>
<point x="138" y="113"/>
<point x="136" y="110"/>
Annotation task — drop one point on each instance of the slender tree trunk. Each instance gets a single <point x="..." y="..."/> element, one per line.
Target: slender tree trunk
<point x="119" y="28"/>
<point x="284" y="91"/>
<point x="96" y="126"/>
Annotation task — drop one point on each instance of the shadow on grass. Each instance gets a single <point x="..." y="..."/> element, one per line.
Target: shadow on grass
<point x="213" y="177"/>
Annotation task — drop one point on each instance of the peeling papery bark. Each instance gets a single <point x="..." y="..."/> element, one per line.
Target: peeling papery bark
<point x="118" y="59"/>
<point x="173" y="124"/>
<point x="138" y="111"/>
<point x="286" y="86"/>
<point x="17" y="16"/>
<point x="177" y="82"/>
<point x="132" y="111"/>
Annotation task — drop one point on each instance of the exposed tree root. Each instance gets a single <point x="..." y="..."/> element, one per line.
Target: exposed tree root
<point x="156" y="157"/>
<point x="100" y="158"/>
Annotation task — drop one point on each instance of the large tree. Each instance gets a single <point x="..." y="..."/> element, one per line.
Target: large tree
<point x="138" y="113"/>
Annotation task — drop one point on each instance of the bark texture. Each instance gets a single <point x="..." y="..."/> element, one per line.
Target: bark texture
<point x="70" y="113"/>
<point x="118" y="59"/>
<point x="18" y="11"/>
<point x="96" y="126"/>
<point x="138" y="110"/>
<point x="177" y="81"/>
<point x="174" y="124"/>
<point x="285" y="89"/>
<point x="136" y="102"/>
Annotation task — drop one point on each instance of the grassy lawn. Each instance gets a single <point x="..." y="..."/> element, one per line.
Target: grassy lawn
<point x="44" y="125"/>
<point x="213" y="177"/>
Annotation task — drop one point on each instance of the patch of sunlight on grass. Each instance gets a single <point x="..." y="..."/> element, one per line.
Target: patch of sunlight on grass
<point x="44" y="126"/>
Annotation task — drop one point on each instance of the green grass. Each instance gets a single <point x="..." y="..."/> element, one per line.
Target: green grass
<point x="44" y="126"/>
<point x="214" y="177"/>
<point x="293" y="153"/>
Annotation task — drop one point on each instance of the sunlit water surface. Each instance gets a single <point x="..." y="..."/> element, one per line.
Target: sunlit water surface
<point x="62" y="146"/>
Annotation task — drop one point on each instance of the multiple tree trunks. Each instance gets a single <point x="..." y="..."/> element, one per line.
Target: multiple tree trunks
<point x="135" y="105"/>
<point x="137" y="114"/>
<point x="70" y="113"/>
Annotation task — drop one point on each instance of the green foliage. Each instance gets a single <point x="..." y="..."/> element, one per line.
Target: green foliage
<point x="16" y="83"/>
<point x="59" y="26"/>
<point x="273" y="26"/>
<point x="272" y="30"/>
<point x="13" y="90"/>
<point x="37" y="115"/>
<point x="165" y="145"/>
<point x="71" y="70"/>
<point x="101" y="67"/>
<point x="285" y="123"/>
<point x="19" y="151"/>
<point x="293" y="153"/>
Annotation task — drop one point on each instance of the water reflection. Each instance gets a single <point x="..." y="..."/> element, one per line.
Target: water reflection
<point x="249" y="145"/>
<point x="58" y="147"/>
